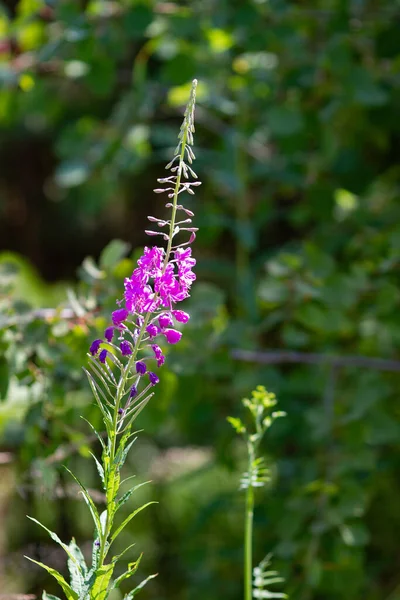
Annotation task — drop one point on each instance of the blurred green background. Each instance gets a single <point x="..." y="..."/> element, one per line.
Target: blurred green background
<point x="298" y="139"/>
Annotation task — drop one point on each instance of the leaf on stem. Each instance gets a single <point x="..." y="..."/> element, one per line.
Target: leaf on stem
<point x="55" y="537"/>
<point x="66" y="588"/>
<point x="132" y="568"/>
<point x="77" y="568"/>
<point x="89" y="502"/>
<point x="99" y="469"/>
<point x="128" y="519"/>
<point x="128" y="494"/>
<point x="137" y="589"/>
<point x="103" y="576"/>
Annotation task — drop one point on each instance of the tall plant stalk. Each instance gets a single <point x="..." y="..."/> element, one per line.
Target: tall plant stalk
<point x="121" y="379"/>
<point x="262" y="416"/>
<point x="248" y="530"/>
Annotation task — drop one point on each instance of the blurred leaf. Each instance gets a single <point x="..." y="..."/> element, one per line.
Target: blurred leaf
<point x="112" y="254"/>
<point x="72" y="173"/>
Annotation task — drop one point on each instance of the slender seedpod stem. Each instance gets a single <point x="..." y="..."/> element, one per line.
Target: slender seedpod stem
<point x="187" y="128"/>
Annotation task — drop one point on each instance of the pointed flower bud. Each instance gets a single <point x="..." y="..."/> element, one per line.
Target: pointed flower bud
<point x="126" y="349"/>
<point x="103" y="356"/>
<point x="153" y="378"/>
<point x="181" y="316"/>
<point x="109" y="333"/>
<point x="172" y="335"/>
<point x="165" y="320"/>
<point x="141" y="367"/>
<point x="152" y="330"/>
<point x="119" y="315"/>
<point x="94" y="347"/>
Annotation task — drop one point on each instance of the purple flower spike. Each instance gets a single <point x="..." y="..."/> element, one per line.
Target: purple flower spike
<point x="94" y="347"/>
<point x="173" y="336"/>
<point x="126" y="349"/>
<point x="109" y="333"/>
<point x="165" y="320"/>
<point x="153" y="378"/>
<point x="103" y="356"/>
<point x="181" y="316"/>
<point x="152" y="330"/>
<point x="133" y="392"/>
<point x="141" y="367"/>
<point x="119" y="315"/>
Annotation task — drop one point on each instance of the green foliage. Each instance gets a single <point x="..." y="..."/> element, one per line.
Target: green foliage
<point x="263" y="578"/>
<point x="260" y="406"/>
<point x="298" y="250"/>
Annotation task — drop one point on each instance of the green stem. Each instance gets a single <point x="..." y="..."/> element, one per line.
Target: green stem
<point x="248" y="529"/>
<point x="113" y="438"/>
<point x="175" y="199"/>
<point x="121" y="388"/>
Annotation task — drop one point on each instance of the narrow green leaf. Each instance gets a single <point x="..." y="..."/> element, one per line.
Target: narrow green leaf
<point x="68" y="591"/>
<point x="77" y="570"/>
<point x="128" y="494"/>
<point x="128" y="519"/>
<point x="55" y="537"/>
<point x="89" y="502"/>
<point x="95" y="432"/>
<point x="103" y="376"/>
<point x="138" y="410"/>
<point x="99" y="468"/>
<point x="124" y="454"/>
<point x="96" y="390"/>
<point x="95" y="554"/>
<point x="100" y="588"/>
<point x="116" y="558"/>
<point x="132" y="568"/>
<point x="137" y="589"/>
<point x="127" y="479"/>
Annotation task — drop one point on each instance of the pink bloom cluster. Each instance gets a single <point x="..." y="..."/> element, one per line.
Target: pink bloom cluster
<point x="151" y="285"/>
<point x="152" y="288"/>
<point x="162" y="277"/>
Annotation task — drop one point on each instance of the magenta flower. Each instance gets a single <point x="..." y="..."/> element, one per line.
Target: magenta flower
<point x="126" y="349"/>
<point x="181" y="316"/>
<point x="109" y="333"/>
<point x="152" y="260"/>
<point x="153" y="378"/>
<point x="172" y="335"/>
<point x="141" y="367"/>
<point x="119" y="315"/>
<point x="158" y="355"/>
<point x="162" y="277"/>
<point x="165" y="320"/>
<point x="94" y="347"/>
<point x="152" y="330"/>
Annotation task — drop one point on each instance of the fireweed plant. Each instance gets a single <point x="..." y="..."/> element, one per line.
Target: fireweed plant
<point x="122" y="379"/>
<point x="262" y="415"/>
